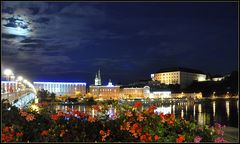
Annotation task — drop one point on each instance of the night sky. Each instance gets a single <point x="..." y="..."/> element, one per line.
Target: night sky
<point x="63" y="41"/>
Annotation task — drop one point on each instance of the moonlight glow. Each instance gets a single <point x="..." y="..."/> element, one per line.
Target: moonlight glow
<point x="17" y="26"/>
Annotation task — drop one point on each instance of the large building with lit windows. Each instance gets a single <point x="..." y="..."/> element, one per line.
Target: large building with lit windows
<point x="109" y="91"/>
<point x="178" y="75"/>
<point x="100" y="91"/>
<point x="135" y="92"/>
<point x="62" y="88"/>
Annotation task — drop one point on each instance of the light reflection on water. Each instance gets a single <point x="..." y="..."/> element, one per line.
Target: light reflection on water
<point x="164" y="110"/>
<point x="214" y="108"/>
<point x="207" y="112"/>
<point x="227" y="109"/>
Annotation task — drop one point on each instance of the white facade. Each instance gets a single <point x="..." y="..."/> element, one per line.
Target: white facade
<point x="61" y="88"/>
<point x="217" y="78"/>
<point x="182" y="78"/>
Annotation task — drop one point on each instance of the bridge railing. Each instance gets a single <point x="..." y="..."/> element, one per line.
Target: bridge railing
<point x="15" y="95"/>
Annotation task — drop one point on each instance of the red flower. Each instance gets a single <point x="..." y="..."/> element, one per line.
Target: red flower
<point x="91" y="119"/>
<point x="136" y="130"/>
<point x="76" y="112"/>
<point x="62" y="133"/>
<point x="129" y="114"/>
<point x="143" y="138"/>
<point x="19" y="134"/>
<point x="104" y="135"/>
<point x="151" y="109"/>
<point x="137" y="104"/>
<point x="146" y="138"/>
<point x="6" y="129"/>
<point x="101" y="132"/>
<point x="125" y="126"/>
<point x="60" y="113"/>
<point x="54" y="117"/>
<point x="44" y="132"/>
<point x="181" y="138"/>
<point x="171" y="122"/>
<point x="139" y="116"/>
<point x="156" y="138"/>
<point x="96" y="107"/>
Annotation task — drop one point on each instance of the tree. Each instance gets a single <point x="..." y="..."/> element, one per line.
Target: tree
<point x="53" y="96"/>
<point x="79" y="95"/>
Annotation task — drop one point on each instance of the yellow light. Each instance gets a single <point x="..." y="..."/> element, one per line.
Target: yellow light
<point x="35" y="108"/>
<point x="19" y="78"/>
<point x="36" y="100"/>
<point x="77" y="92"/>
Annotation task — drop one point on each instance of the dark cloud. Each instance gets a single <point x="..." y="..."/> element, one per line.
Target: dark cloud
<point x="8" y="10"/>
<point x="43" y="20"/>
<point x="29" y="40"/>
<point x="11" y="36"/>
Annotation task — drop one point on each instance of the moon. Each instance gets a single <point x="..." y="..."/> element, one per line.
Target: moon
<point x="23" y="27"/>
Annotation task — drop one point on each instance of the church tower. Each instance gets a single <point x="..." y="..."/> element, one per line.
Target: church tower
<point x="98" y="78"/>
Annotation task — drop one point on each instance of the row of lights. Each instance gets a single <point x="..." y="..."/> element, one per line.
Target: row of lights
<point x="9" y="73"/>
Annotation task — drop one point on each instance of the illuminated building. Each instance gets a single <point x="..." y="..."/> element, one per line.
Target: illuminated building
<point x="105" y="92"/>
<point x="62" y="88"/>
<point x="8" y="86"/>
<point x="133" y="93"/>
<point x="218" y="78"/>
<point x="160" y="94"/>
<point x="182" y="76"/>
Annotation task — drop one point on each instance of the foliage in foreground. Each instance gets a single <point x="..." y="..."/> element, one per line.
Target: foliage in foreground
<point x="127" y="124"/>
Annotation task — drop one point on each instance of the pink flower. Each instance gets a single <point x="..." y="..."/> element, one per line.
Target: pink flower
<point x="220" y="132"/>
<point x="129" y="114"/>
<point x="219" y="140"/>
<point x="217" y="125"/>
<point x="197" y="139"/>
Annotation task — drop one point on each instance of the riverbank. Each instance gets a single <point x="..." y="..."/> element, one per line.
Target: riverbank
<point x="231" y="134"/>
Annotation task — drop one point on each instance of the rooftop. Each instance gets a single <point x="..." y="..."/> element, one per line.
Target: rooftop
<point x="183" y="69"/>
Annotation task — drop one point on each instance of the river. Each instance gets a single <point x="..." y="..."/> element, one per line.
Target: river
<point x="205" y="112"/>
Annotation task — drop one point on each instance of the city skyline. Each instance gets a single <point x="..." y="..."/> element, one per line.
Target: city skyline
<point x="70" y="41"/>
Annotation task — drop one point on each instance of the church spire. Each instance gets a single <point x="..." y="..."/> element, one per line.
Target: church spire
<point x="99" y="78"/>
<point x="96" y="79"/>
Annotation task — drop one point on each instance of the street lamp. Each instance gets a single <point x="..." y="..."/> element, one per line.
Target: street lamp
<point x="19" y="78"/>
<point x="19" y="82"/>
<point x="12" y="77"/>
<point x="8" y="73"/>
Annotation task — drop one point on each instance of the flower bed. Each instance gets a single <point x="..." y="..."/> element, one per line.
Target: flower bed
<point x="129" y="124"/>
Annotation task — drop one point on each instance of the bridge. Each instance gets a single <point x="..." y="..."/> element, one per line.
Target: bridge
<point x="20" y="98"/>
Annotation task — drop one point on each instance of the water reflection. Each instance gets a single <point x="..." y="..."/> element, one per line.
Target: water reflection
<point x="214" y="108"/>
<point x="199" y="108"/>
<point x="227" y="109"/>
<point x="186" y="108"/>
<point x="164" y="110"/>
<point x="237" y="106"/>
<point x="173" y="109"/>
<point x="206" y="112"/>
<point x="194" y="111"/>
<point x="93" y="114"/>
<point x="182" y="114"/>
<point x="200" y="119"/>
